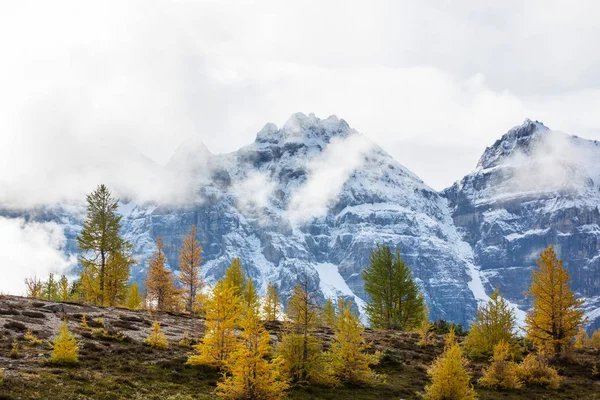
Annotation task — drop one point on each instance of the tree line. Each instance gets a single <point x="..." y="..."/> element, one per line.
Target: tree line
<point x="236" y="341"/>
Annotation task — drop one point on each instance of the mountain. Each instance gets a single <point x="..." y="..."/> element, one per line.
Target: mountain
<point x="313" y="198"/>
<point x="532" y="188"/>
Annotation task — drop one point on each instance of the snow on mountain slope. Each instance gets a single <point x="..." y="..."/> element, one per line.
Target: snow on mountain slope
<point x="532" y="188"/>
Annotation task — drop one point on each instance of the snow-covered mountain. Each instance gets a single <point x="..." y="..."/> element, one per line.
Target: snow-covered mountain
<point x="314" y="197"/>
<point x="532" y="188"/>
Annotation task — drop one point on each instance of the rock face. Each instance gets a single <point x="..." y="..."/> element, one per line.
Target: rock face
<point x="532" y="188"/>
<point x="313" y="198"/>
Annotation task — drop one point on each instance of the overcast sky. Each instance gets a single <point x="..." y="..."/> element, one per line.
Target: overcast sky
<point x="432" y="82"/>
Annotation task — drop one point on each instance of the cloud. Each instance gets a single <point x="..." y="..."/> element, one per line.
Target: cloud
<point x="30" y="249"/>
<point x="252" y="194"/>
<point x="326" y="175"/>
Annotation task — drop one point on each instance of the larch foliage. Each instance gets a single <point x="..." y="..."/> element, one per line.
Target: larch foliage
<point x="596" y="339"/>
<point x="556" y="313"/>
<point x="426" y="337"/>
<point x="395" y="301"/>
<point x="98" y="240"/>
<point x="160" y="283"/>
<point x="502" y="372"/>
<point x="582" y="339"/>
<point x="351" y="363"/>
<point x="50" y="289"/>
<point x="495" y="322"/>
<point x="65" y="349"/>
<point x="250" y="299"/>
<point x="223" y="310"/>
<point x="190" y="277"/>
<point x="157" y="339"/>
<point x="302" y="352"/>
<point x="249" y="374"/>
<point x="33" y="287"/>
<point x="534" y="370"/>
<point x="235" y="277"/>
<point x="328" y="316"/>
<point x="134" y="298"/>
<point x="116" y="281"/>
<point x="64" y="292"/>
<point x="450" y="379"/>
<point x="272" y="303"/>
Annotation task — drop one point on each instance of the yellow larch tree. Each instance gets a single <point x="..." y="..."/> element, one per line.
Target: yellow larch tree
<point x="223" y="310"/>
<point x="33" y="287"/>
<point x="160" y="283"/>
<point x="190" y="277"/>
<point x="302" y="352"/>
<point x="424" y="331"/>
<point x="502" y="372"/>
<point x="250" y="299"/>
<point x="157" y="339"/>
<point x="450" y="379"/>
<point x="596" y="339"/>
<point x="556" y="313"/>
<point x="65" y="349"/>
<point x="116" y="279"/>
<point x="495" y="322"/>
<point x="328" y="316"/>
<point x="64" y="292"/>
<point x="235" y="277"/>
<point x="350" y="361"/>
<point x="582" y="339"/>
<point x="134" y="298"/>
<point x="534" y="370"/>
<point x="250" y="375"/>
<point x="272" y="304"/>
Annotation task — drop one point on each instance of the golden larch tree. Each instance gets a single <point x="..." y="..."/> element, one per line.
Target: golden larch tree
<point x="450" y="379"/>
<point x="160" y="283"/>
<point x="556" y="313"/>
<point x="328" y="316"/>
<point x="33" y="287"/>
<point x="64" y="292"/>
<point x="250" y="375"/>
<point x="134" y="298"/>
<point x="272" y="304"/>
<point x="350" y="361"/>
<point x="223" y="309"/>
<point x="596" y="339"/>
<point x="250" y="298"/>
<point x="190" y="276"/>
<point x="157" y="339"/>
<point x="495" y="322"/>
<point x="302" y="352"/>
<point x="65" y="349"/>
<point x="116" y="280"/>
<point x="502" y="372"/>
<point x="235" y="277"/>
<point x="582" y="339"/>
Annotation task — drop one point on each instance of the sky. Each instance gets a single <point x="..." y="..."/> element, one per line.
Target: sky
<point x="94" y="91"/>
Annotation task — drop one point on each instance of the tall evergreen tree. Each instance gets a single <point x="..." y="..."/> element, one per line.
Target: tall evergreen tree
<point x="556" y="313"/>
<point x="98" y="239"/>
<point x="395" y="301"/>
<point x="190" y="276"/>
<point x="116" y="281"/>
<point x="495" y="322"/>
<point x="250" y="298"/>
<point x="160" y="283"/>
<point x="272" y="304"/>
<point x="51" y="288"/>
<point x="64" y="292"/>
<point x="328" y="316"/>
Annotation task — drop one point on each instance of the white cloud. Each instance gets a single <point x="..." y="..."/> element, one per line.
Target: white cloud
<point x="326" y="175"/>
<point x="252" y="194"/>
<point x="30" y="249"/>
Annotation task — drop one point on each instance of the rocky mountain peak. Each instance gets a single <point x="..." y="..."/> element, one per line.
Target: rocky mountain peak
<point x="306" y="129"/>
<point x="521" y="137"/>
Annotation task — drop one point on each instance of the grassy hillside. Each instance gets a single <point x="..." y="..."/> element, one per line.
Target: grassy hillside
<point x="120" y="366"/>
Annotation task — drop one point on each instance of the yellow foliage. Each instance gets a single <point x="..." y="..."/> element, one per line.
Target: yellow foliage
<point x="595" y="371"/>
<point x="495" y="322"/>
<point x="350" y="362"/>
<point x="156" y="339"/>
<point x="83" y="322"/>
<point x="249" y="374"/>
<point x="272" y="305"/>
<point x="160" y="281"/>
<point x="449" y="376"/>
<point x="502" y="373"/>
<point x="66" y="350"/>
<point x="185" y="340"/>
<point x="222" y="312"/>
<point x="303" y="358"/>
<point x="596" y="339"/>
<point x="134" y="298"/>
<point x="34" y="287"/>
<point x="556" y="313"/>
<point x="1" y="376"/>
<point x="582" y="340"/>
<point x="14" y="351"/>
<point x="328" y="317"/>
<point x="535" y="370"/>
<point x="30" y="337"/>
<point x="424" y="331"/>
<point x="235" y="277"/>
